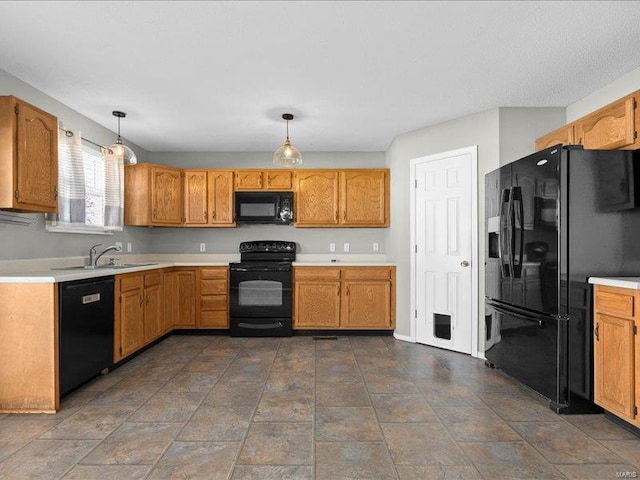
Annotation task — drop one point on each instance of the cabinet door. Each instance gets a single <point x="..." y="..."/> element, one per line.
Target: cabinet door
<point x="166" y="196"/>
<point x="221" y="197"/>
<point x="37" y="159"/>
<point x="316" y="304"/>
<point x="131" y="321"/>
<point x="366" y="304"/>
<point x="564" y="135"/>
<point x="316" y="199"/>
<point x="277" y="180"/>
<point x="364" y="198"/>
<point x="249" y="180"/>
<point x="170" y="300"/>
<point x="614" y="365"/>
<point x="152" y="313"/>
<point x="610" y="128"/>
<point x="195" y="198"/>
<point x="186" y="311"/>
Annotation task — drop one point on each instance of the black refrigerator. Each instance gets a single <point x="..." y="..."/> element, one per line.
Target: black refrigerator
<point x="552" y="220"/>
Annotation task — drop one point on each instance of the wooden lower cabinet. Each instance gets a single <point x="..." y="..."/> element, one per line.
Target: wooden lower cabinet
<point x="213" y="311"/>
<point x="347" y="298"/>
<point x="616" y="354"/>
<point x="183" y="310"/>
<point x="138" y="311"/>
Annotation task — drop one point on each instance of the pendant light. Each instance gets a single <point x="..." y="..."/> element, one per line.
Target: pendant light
<point x="118" y="149"/>
<point x="287" y="155"/>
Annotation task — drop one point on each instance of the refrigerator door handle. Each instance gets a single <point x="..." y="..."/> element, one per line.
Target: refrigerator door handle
<point x="517" y="197"/>
<point x="511" y="227"/>
<point x="502" y="233"/>
<point x="512" y="313"/>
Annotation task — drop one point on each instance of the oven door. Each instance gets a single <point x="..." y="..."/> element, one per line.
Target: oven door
<point x="259" y="293"/>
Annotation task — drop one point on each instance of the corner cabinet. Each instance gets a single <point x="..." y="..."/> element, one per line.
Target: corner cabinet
<point x="28" y="158"/>
<point x="347" y="298"/>
<point x="208" y="198"/>
<point x="153" y="196"/>
<point x="342" y="198"/>
<point x="616" y="351"/>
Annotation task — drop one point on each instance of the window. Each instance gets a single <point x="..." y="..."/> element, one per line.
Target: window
<point x="90" y="188"/>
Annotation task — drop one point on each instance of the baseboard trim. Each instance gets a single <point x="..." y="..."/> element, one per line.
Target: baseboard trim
<point x="404" y="338"/>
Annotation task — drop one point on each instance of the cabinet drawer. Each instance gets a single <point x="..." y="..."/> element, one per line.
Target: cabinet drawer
<point x="152" y="279"/>
<point x="130" y="283"/>
<point x="207" y="273"/>
<point x="213" y="287"/>
<point x="615" y="303"/>
<point x="366" y="274"/>
<point x="320" y="273"/>
<point x="213" y="302"/>
<point x="212" y="319"/>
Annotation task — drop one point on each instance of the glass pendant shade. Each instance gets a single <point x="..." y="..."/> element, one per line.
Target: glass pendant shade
<point x="287" y="155"/>
<point x="118" y="149"/>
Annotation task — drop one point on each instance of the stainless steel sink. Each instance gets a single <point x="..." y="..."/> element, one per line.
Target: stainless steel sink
<point x="106" y="265"/>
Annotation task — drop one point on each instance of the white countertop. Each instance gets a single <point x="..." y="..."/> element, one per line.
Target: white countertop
<point x="47" y="270"/>
<point x="622" y="282"/>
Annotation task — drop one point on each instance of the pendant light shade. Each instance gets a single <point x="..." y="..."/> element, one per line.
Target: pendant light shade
<point x="120" y="150"/>
<point x="287" y="155"/>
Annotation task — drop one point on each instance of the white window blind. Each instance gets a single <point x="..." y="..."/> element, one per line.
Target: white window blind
<point x="90" y="188"/>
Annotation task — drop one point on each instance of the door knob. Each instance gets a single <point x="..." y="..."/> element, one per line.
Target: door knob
<point x="464" y="263"/>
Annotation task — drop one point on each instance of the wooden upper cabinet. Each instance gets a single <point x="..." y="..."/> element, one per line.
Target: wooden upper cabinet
<point x="220" y="187"/>
<point x="612" y="127"/>
<point x="316" y="198"/>
<point x="195" y="197"/>
<point x="564" y="135"/>
<point x="153" y="195"/>
<point x="364" y="197"/>
<point x="28" y="158"/>
<point x="208" y="198"/>
<point x="251" y="179"/>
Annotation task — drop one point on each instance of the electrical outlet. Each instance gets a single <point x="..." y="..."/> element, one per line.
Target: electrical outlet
<point x="376" y="247"/>
<point x="345" y="247"/>
<point x="119" y="246"/>
<point x="129" y="247"/>
<point x="203" y="247"/>
<point x="332" y="247"/>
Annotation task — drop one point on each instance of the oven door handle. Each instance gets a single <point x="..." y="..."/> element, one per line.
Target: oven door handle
<point x="260" y="326"/>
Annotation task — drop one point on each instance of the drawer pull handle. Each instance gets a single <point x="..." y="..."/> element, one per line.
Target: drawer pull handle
<point x="597" y="332"/>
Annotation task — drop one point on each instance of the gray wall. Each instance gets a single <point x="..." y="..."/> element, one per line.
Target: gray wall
<point x="502" y="135"/>
<point x="21" y="242"/>
<point x="226" y="240"/>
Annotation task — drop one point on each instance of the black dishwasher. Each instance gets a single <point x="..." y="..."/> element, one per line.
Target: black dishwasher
<point x="86" y="330"/>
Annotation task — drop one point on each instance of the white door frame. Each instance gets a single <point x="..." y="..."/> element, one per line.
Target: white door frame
<point x="473" y="152"/>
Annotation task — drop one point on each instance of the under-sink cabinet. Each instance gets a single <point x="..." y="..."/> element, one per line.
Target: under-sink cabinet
<point x="347" y="298"/>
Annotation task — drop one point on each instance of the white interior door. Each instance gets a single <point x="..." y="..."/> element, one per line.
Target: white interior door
<point x="444" y="250"/>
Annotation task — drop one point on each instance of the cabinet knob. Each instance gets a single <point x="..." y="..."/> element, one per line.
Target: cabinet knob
<point x="464" y="263"/>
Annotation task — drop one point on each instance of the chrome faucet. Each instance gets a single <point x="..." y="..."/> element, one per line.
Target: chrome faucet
<point x="94" y="256"/>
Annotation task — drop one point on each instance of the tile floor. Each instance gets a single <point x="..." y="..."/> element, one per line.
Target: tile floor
<point x="212" y="407"/>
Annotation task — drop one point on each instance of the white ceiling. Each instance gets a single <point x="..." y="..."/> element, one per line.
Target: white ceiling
<point x="217" y="76"/>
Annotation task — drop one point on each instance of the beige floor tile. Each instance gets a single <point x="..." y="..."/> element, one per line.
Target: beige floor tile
<point x="419" y="444"/>
<point x="387" y="383"/>
<point x="402" y="407"/>
<point x="342" y="394"/>
<point x="191" y="382"/>
<point x="90" y="422"/>
<point x="168" y="407"/>
<point x="134" y="444"/>
<point x="448" y="394"/>
<point x="251" y="472"/>
<point x="108" y="472"/>
<point x="347" y="424"/>
<point x="337" y="372"/>
<point x="218" y="424"/>
<point x="45" y="459"/>
<point x="235" y="393"/>
<point x="519" y="407"/>
<point x="196" y="461"/>
<point x="278" y="444"/>
<point x="600" y="427"/>
<point x="437" y="473"/>
<point x="16" y="433"/>
<point x="599" y="471"/>
<point x="285" y="407"/>
<point x="281" y="382"/>
<point x="475" y="424"/>
<point x="629" y="450"/>
<point x="508" y="460"/>
<point x="363" y="460"/>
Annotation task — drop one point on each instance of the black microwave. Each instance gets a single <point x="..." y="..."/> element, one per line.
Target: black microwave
<point x="275" y="208"/>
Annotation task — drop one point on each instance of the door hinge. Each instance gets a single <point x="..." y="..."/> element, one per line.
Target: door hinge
<point x="635" y="330"/>
<point x="416" y="248"/>
<point x="121" y="351"/>
<point x="635" y="105"/>
<point x="120" y="298"/>
<point x="415" y="313"/>
<point x="18" y="194"/>
<point x="415" y="184"/>
<point x="16" y="109"/>
<point x="635" y="410"/>
<point x="635" y="135"/>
